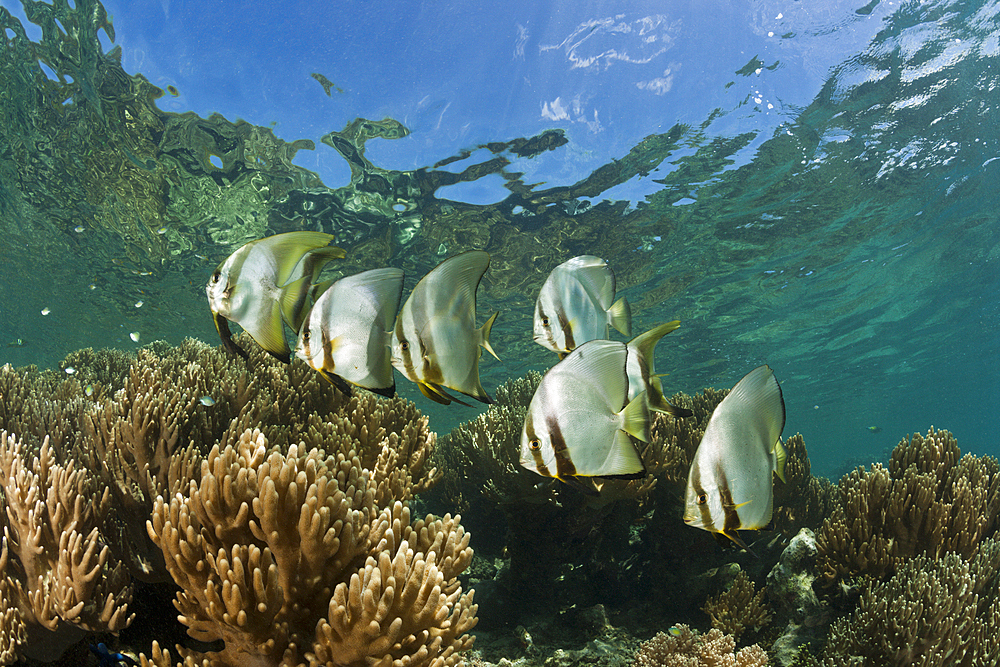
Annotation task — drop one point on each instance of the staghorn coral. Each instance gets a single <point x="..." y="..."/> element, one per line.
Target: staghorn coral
<point x="288" y="558"/>
<point x="930" y="500"/>
<point x="683" y="647"/>
<point x="932" y="611"/>
<point x="738" y="608"/>
<point x="65" y="581"/>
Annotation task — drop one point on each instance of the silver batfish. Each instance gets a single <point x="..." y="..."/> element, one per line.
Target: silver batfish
<point x="347" y="333"/>
<point x="267" y="281"/>
<point x="730" y="484"/>
<point x="577" y="303"/>
<point x="435" y="342"/>
<point x="579" y="418"/>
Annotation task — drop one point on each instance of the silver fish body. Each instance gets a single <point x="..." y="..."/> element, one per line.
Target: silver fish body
<point x="577" y="303"/>
<point x="266" y="282"/>
<point x="579" y="418"/>
<point x="347" y="333"/>
<point x="435" y="342"/>
<point x="730" y="485"/>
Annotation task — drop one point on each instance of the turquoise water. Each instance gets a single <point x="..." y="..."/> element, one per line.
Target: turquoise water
<point x="850" y="241"/>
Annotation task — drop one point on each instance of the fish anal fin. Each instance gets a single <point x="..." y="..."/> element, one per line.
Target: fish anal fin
<point x="271" y="336"/>
<point x="484" y="333"/>
<point x="338" y="382"/>
<point x="228" y="344"/>
<point x="620" y="315"/>
<point x="734" y="536"/>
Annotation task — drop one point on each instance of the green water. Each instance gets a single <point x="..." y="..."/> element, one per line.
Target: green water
<point x="854" y="249"/>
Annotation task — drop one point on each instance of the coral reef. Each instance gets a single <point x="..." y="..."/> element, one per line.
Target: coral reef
<point x="802" y="501"/>
<point x="683" y="647"/>
<point x="255" y="486"/>
<point x="930" y="501"/>
<point x="932" y="611"/>
<point x="790" y="590"/>
<point x="739" y="607"/>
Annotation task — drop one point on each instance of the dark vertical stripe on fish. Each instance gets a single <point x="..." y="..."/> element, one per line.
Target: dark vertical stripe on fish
<point x="564" y="462"/>
<point x="732" y="520"/>
<point x="567" y="330"/>
<point x="536" y="452"/>
<point x="706" y="513"/>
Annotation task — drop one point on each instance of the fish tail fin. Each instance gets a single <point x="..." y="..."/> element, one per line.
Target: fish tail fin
<point x="621" y="316"/>
<point x="484" y="334"/>
<point x="635" y="417"/>
<point x="779" y="459"/>
<point x="292" y="302"/>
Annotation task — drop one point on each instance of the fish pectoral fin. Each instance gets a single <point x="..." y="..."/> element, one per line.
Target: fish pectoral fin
<point x="739" y="505"/>
<point x="621" y="316"/>
<point x="484" y="333"/>
<point x="734" y="536"/>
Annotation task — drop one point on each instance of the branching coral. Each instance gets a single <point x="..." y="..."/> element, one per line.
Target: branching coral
<point x="933" y="611"/>
<point x="738" y="608"/>
<point x="288" y="559"/>
<point x="66" y="579"/>
<point x="930" y="500"/>
<point x="801" y="501"/>
<point x="683" y="647"/>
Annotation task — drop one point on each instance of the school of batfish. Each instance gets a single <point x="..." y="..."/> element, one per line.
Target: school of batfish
<point x="589" y="409"/>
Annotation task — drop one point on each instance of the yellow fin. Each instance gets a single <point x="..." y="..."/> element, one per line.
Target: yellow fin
<point x="289" y="248"/>
<point x="635" y="417"/>
<point x="293" y="301"/>
<point x="271" y="336"/>
<point x="621" y="316"/>
<point x="484" y="332"/>
<point x="779" y="459"/>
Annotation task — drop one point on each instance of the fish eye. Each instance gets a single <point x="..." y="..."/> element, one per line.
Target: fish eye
<point x="216" y="276"/>
<point x="305" y="335"/>
<point x="545" y="321"/>
<point x="702" y="498"/>
<point x="535" y="444"/>
<point x="404" y="345"/>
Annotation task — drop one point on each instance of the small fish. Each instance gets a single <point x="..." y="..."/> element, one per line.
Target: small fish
<point x="106" y="658"/>
<point x="266" y="282"/>
<point x="435" y="342"/>
<point x="17" y="342"/>
<point x="89" y="390"/>
<point x="69" y="370"/>
<point x="134" y="336"/>
<point x="642" y="376"/>
<point x="79" y="228"/>
<point x="347" y="333"/>
<point x="138" y="304"/>
<point x="207" y="401"/>
<point x="578" y="421"/>
<point x="575" y="305"/>
<point x="729" y="485"/>
<point x="875" y="429"/>
<point x="46" y="311"/>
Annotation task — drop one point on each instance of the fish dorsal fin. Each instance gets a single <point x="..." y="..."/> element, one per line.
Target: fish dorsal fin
<point x="758" y="397"/>
<point x="602" y="363"/>
<point x="620" y="316"/>
<point x="289" y="248"/>
<point x="384" y="288"/>
<point x="450" y="287"/>
<point x="645" y="344"/>
<point x="595" y="276"/>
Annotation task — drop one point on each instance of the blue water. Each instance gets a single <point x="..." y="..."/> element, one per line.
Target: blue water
<point x="827" y="204"/>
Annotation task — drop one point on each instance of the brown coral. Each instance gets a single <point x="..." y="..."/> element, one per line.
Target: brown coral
<point x="683" y="647"/>
<point x="930" y="500"/>
<point x="288" y="559"/>
<point x="933" y="611"/>
<point x="738" y="608"/>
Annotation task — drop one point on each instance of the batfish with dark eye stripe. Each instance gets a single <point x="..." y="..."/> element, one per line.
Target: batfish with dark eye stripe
<point x="347" y="333"/>
<point x="579" y="420"/>
<point x="577" y="303"/>
<point x="267" y="281"/>
<point x="730" y="484"/>
<point x="435" y="342"/>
